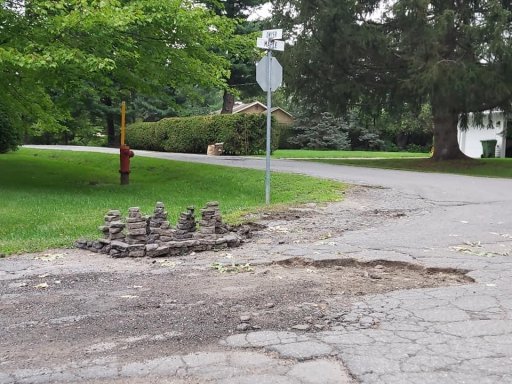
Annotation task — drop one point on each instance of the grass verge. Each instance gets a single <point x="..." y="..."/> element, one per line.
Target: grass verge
<point x="470" y="167"/>
<point x="308" y="154"/>
<point x="51" y="198"/>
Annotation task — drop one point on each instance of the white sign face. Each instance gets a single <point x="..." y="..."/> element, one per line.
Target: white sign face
<point x="272" y="34"/>
<point x="274" y="45"/>
<point x="276" y="74"/>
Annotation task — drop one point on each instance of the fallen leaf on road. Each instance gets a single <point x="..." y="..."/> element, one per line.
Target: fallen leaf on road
<point x="279" y="228"/>
<point x="473" y="243"/>
<point x="50" y="256"/>
<point x="167" y="263"/>
<point x="129" y="297"/>
<point x="42" y="285"/>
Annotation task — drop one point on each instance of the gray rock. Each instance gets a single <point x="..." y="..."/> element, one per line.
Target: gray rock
<point x="301" y="327"/>
<point x="243" y="327"/>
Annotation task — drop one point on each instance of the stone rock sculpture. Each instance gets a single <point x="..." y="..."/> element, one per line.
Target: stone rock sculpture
<point x="153" y="236"/>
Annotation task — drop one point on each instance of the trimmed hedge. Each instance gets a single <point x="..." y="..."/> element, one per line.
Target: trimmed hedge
<point x="242" y="134"/>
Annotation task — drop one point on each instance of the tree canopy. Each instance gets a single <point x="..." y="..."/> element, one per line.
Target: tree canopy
<point x="455" y="55"/>
<point x="57" y="55"/>
<point x="242" y="78"/>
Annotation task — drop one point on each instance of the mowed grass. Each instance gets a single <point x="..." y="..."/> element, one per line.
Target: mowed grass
<point x="308" y="154"/>
<point x="51" y="198"/>
<point x="471" y="167"/>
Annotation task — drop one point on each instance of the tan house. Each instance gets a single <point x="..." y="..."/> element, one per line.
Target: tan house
<point x="278" y="113"/>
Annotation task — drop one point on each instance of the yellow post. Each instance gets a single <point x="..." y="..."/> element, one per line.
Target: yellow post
<point x="123" y="122"/>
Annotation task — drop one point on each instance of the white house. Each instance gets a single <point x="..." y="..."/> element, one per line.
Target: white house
<point x="470" y="138"/>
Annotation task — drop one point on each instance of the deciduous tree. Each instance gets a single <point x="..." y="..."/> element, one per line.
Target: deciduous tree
<point x="55" y="52"/>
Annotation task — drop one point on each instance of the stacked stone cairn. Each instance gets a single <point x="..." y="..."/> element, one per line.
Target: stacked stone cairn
<point x="156" y="221"/>
<point x="154" y="236"/>
<point x="112" y="230"/>
<point x="113" y="227"/>
<point x="211" y="220"/>
<point x="136" y="232"/>
<point x="136" y="227"/>
<point x="186" y="224"/>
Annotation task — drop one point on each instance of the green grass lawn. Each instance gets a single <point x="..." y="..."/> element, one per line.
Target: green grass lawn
<point x="471" y="167"/>
<point x="51" y="198"/>
<point x="306" y="154"/>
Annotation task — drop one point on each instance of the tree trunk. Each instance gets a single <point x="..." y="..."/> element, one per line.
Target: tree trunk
<point x="228" y="103"/>
<point x="446" y="145"/>
<point x="111" y="127"/>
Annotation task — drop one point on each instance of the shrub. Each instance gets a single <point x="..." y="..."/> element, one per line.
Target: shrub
<point x="286" y="133"/>
<point x="9" y="137"/>
<point x="324" y="131"/>
<point x="242" y="134"/>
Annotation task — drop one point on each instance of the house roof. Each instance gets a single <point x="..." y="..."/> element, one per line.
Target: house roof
<point x="282" y="110"/>
<point x="242" y="107"/>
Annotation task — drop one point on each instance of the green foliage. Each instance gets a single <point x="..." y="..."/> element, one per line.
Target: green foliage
<point x="454" y="55"/>
<point x="286" y="133"/>
<point x="391" y="130"/>
<point x="472" y="167"/>
<point x="9" y="138"/>
<point x="59" y="58"/>
<point x="324" y="131"/>
<point x="242" y="52"/>
<point x="52" y="198"/>
<point x="242" y="134"/>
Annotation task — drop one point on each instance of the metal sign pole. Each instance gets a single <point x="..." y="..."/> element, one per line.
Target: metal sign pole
<point x="270" y="40"/>
<point x="269" y="127"/>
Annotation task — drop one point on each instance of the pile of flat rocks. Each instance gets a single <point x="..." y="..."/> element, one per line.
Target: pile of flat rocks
<point x="186" y="225"/>
<point x="153" y="235"/>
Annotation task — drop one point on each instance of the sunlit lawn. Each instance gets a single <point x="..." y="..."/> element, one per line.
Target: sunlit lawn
<point x="307" y="153"/>
<point x="51" y="198"/>
<point x="472" y="167"/>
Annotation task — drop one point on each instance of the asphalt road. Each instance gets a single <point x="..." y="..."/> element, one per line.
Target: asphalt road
<point x="434" y="186"/>
<point x="439" y="335"/>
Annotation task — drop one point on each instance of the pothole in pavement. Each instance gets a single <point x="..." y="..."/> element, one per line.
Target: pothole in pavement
<point x="184" y="308"/>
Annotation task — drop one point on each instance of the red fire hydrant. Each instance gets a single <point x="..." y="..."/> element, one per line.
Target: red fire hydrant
<point x="124" y="155"/>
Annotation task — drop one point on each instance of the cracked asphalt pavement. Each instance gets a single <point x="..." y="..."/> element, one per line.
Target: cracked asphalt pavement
<point x="458" y="333"/>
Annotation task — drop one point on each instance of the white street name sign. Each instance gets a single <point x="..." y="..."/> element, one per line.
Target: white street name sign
<point x="274" y="45"/>
<point x="273" y="34"/>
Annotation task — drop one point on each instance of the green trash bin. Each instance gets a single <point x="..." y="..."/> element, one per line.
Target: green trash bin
<point x="489" y="147"/>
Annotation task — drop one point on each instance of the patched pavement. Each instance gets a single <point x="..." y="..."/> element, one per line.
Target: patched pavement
<point x="456" y="334"/>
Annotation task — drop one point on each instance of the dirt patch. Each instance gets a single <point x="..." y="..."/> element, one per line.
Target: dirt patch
<point x="63" y="306"/>
<point x="52" y="317"/>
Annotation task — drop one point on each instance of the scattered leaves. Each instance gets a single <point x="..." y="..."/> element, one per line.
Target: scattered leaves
<point x="232" y="268"/>
<point x="167" y="263"/>
<point x="279" y="228"/>
<point x="475" y="248"/>
<point x="50" y="256"/>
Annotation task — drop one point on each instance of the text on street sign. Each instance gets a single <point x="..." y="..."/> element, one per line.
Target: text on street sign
<point x="274" y="45"/>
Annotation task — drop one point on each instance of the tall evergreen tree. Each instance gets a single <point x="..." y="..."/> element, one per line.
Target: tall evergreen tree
<point x="454" y="54"/>
<point x="243" y="55"/>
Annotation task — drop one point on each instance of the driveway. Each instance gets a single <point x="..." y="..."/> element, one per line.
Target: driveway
<point x="457" y="333"/>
